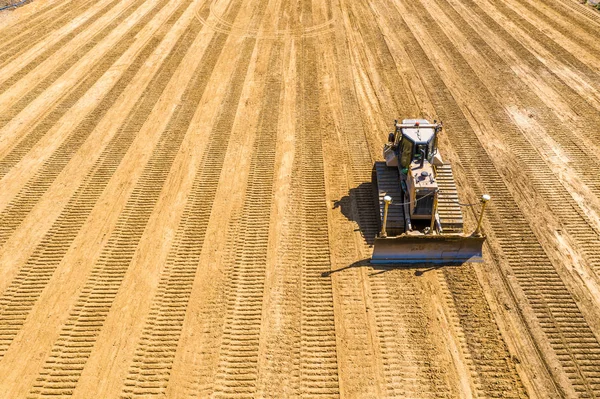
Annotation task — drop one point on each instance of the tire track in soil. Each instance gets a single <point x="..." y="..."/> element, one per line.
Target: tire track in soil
<point x="557" y="313"/>
<point x="74" y="94"/>
<point x="318" y="353"/>
<point x="36" y="29"/>
<point x="237" y="368"/>
<point x="63" y="368"/>
<point x="16" y="211"/>
<point x="576" y="223"/>
<point x="23" y="292"/>
<point x="150" y="371"/>
<point x="47" y="53"/>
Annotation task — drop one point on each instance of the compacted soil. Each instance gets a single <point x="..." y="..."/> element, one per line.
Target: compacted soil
<point x="186" y="206"/>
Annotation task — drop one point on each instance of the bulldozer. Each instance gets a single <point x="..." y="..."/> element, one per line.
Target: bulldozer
<point x="419" y="212"/>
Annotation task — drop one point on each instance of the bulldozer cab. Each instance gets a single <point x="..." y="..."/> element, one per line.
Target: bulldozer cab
<point x="416" y="139"/>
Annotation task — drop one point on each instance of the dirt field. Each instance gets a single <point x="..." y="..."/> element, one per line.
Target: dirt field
<point x="186" y="211"/>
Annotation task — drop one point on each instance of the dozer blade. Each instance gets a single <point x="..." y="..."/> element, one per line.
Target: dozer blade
<point x="449" y="249"/>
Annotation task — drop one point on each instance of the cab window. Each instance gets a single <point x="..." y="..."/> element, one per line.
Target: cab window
<point x="407" y="150"/>
<point x="432" y="147"/>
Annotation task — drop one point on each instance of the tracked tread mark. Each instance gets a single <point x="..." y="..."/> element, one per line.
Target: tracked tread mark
<point x="479" y="335"/>
<point x="34" y="30"/>
<point x="403" y="325"/>
<point x="587" y="114"/>
<point x="557" y="312"/>
<point x="16" y="211"/>
<point x="70" y="352"/>
<point x="590" y="30"/>
<point x="18" y="25"/>
<point x="319" y="369"/>
<point x="583" y="9"/>
<point x="156" y="349"/>
<point x="383" y="60"/>
<point x="8" y="114"/>
<point x="21" y="29"/>
<point x="237" y="369"/>
<point x="77" y="91"/>
<point x="25" y="289"/>
<point x="543" y="179"/>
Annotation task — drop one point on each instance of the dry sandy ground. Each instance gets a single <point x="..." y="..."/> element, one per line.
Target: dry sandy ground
<point x="185" y="206"/>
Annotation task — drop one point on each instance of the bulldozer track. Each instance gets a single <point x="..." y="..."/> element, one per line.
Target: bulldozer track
<point x="396" y="297"/>
<point x="221" y="25"/>
<point x="570" y="89"/>
<point x="48" y="52"/>
<point x="582" y="9"/>
<point x="492" y="368"/>
<point x="403" y="328"/>
<point x="70" y="97"/>
<point x="35" y="274"/>
<point x="556" y="15"/>
<point x="360" y="354"/>
<point x="449" y="210"/>
<point x="33" y="18"/>
<point x="585" y="111"/>
<point x="186" y="204"/>
<point x="388" y="184"/>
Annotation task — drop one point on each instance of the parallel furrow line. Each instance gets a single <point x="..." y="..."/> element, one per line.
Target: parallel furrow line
<point x="403" y="331"/>
<point x="32" y="278"/>
<point x="481" y="357"/>
<point x="154" y="355"/>
<point x="586" y="112"/>
<point x="237" y="369"/>
<point x="70" y="352"/>
<point x="556" y="195"/>
<point x="479" y="335"/>
<point x="16" y="211"/>
<point x="319" y="369"/>
<point x="554" y="306"/>
<point x="36" y="28"/>
<point x="9" y="113"/>
<point x="589" y="35"/>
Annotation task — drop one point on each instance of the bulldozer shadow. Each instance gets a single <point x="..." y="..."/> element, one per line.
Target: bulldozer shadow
<point x="376" y="269"/>
<point x="359" y="206"/>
